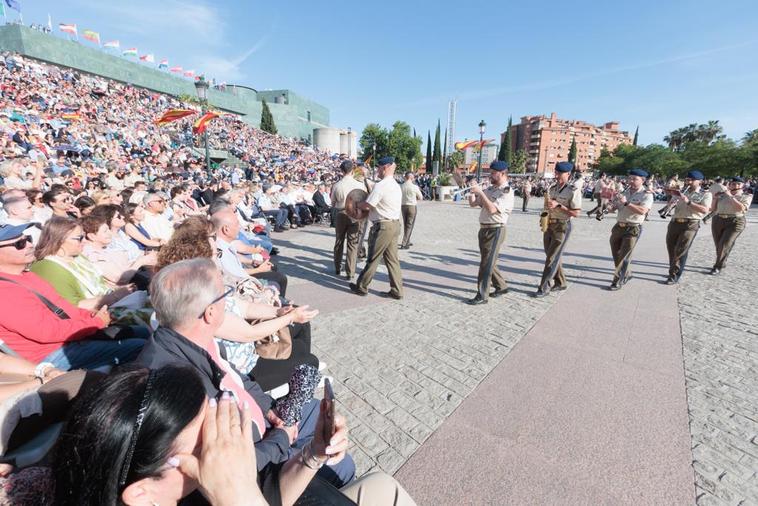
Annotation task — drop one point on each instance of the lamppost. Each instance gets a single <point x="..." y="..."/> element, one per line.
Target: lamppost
<point x="373" y="159"/>
<point x="349" y="143"/>
<point x="201" y="86"/>
<point x="482" y="127"/>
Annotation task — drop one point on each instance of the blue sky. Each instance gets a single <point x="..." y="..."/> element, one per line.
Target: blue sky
<point x="659" y="65"/>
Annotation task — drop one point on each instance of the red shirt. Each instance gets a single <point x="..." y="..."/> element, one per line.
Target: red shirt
<point x="32" y="330"/>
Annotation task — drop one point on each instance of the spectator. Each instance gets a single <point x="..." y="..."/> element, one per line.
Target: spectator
<point x="155" y="222"/>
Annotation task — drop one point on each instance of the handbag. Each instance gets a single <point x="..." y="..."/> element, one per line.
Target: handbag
<point x="276" y="347"/>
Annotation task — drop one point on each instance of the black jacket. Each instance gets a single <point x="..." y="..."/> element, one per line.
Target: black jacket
<point x="166" y="346"/>
<point x="319" y="201"/>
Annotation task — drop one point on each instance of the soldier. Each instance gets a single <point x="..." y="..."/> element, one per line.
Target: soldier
<point x="633" y="203"/>
<point x="716" y="187"/>
<point x="689" y="210"/>
<point x="496" y="203"/>
<point x="565" y="203"/>
<point x="411" y="193"/>
<point x="383" y="205"/>
<point x="526" y="192"/>
<point x="346" y="228"/>
<point x="729" y="220"/>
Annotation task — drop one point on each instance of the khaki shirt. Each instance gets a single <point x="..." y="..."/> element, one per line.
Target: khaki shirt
<point x="411" y="193"/>
<point x="341" y="189"/>
<point x="385" y="199"/>
<point x="567" y="196"/>
<point x="685" y="211"/>
<point x="641" y="198"/>
<point x="502" y="197"/>
<point x="725" y="205"/>
<point x="717" y="188"/>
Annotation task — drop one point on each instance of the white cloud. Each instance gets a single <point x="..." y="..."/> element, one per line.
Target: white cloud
<point x="227" y="69"/>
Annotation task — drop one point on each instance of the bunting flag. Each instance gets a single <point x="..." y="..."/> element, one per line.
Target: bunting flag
<point x="163" y="64"/>
<point x="173" y="115"/>
<point x="68" y="29"/>
<point x="71" y="116"/>
<point x="175" y="69"/>
<point x="91" y="36"/>
<point x="147" y="58"/>
<point x="189" y="73"/>
<point x="132" y="51"/>
<point x="202" y="123"/>
<point x="112" y="43"/>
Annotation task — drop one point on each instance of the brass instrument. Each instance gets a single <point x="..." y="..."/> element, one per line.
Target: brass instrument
<point x="665" y="210"/>
<point x="545" y="214"/>
<point x="612" y="206"/>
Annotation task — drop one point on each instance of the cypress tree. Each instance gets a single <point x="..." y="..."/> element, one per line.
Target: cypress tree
<point x="636" y="135"/>
<point x="437" y="149"/>
<point x="572" y="151"/>
<point x="506" y="148"/>
<point x="428" y="152"/>
<point x="444" y="151"/>
<point x="267" y="119"/>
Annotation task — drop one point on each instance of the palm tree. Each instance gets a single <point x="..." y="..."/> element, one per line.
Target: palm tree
<point x="750" y="137"/>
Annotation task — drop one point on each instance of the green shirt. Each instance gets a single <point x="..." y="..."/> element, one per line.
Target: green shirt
<point x="62" y="280"/>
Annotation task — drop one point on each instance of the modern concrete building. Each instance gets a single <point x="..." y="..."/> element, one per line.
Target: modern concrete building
<point x="295" y="116"/>
<point x="548" y="139"/>
<point x="335" y="140"/>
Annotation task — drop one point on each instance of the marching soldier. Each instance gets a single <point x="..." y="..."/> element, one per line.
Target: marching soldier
<point x="716" y="187"/>
<point x="526" y="192"/>
<point x="496" y="203"/>
<point x="346" y="228"/>
<point x="729" y="220"/>
<point x="411" y="193"/>
<point x="633" y="203"/>
<point x="690" y="209"/>
<point x="565" y="203"/>
<point x="383" y="206"/>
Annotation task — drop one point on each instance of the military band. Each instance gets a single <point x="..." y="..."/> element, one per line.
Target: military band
<point x="729" y="221"/>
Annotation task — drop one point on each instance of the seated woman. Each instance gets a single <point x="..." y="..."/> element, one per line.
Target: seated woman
<point x="151" y="437"/>
<point x="84" y="204"/>
<point x="134" y="214"/>
<point x="60" y="202"/>
<point x="193" y="239"/>
<point x="120" y="242"/>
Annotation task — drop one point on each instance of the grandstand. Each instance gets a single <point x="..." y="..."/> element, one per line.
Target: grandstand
<point x="295" y="116"/>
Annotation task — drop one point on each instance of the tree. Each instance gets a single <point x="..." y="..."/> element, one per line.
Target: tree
<point x="518" y="162"/>
<point x="636" y="136"/>
<point x="267" y="119"/>
<point x="506" y="148"/>
<point x="455" y="160"/>
<point x="404" y="147"/>
<point x="707" y="133"/>
<point x="572" y="151"/>
<point x="437" y="156"/>
<point x="444" y="151"/>
<point x="428" y="151"/>
<point x="374" y="134"/>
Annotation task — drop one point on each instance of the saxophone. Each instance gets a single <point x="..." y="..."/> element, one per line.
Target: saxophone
<point x="545" y="214"/>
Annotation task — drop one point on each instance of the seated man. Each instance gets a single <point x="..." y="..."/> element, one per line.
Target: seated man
<point x="155" y="221"/>
<point x="322" y="201"/>
<point x="20" y="212"/>
<point x="188" y="297"/>
<point x="40" y="325"/>
<point x="268" y="208"/>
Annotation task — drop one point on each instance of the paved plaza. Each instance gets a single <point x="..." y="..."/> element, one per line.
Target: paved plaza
<point x="644" y="396"/>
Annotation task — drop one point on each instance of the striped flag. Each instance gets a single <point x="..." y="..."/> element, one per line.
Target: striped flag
<point x="173" y="115"/>
<point x="132" y="51"/>
<point x="163" y="64"/>
<point x="68" y="29"/>
<point x="112" y="43"/>
<point x="189" y="73"/>
<point x="71" y="116"/>
<point x="149" y="58"/>
<point x="91" y="36"/>
<point x="202" y="122"/>
<point x="175" y="69"/>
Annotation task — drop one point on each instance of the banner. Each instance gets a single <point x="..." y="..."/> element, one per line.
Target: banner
<point x="163" y="64"/>
<point x="175" y="69"/>
<point x="147" y="58"/>
<point x="189" y="73"/>
<point x="91" y="36"/>
<point x="174" y="115"/>
<point x="132" y="51"/>
<point x="68" y="29"/>
<point x="202" y="123"/>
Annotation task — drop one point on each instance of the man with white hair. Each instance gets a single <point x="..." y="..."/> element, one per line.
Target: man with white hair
<point x="155" y="223"/>
<point x="188" y="297"/>
<point x="20" y="212"/>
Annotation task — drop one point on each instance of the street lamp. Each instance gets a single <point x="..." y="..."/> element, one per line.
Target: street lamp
<point x="482" y="127"/>
<point x="349" y="143"/>
<point x="201" y="86"/>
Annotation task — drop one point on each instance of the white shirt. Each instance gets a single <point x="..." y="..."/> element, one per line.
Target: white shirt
<point x="229" y="260"/>
<point x="411" y="193"/>
<point x="385" y="200"/>
<point x="158" y="226"/>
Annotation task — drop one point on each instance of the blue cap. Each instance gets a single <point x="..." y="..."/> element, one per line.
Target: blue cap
<point x="8" y="232"/>
<point x="737" y="179"/>
<point x="564" y="166"/>
<point x="499" y="166"/>
<point x="695" y="174"/>
<point x="386" y="160"/>
<point x="639" y="173"/>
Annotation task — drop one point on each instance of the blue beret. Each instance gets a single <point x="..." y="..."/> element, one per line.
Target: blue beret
<point x="695" y="174"/>
<point x="737" y="179"/>
<point x="499" y="166"/>
<point x="639" y="173"/>
<point x="386" y="160"/>
<point x="564" y="166"/>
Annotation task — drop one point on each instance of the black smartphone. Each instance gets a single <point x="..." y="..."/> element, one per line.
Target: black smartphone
<point x="329" y="415"/>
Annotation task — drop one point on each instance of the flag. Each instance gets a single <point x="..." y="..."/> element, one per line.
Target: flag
<point x="132" y="51"/>
<point x="13" y="4"/>
<point x="49" y="23"/>
<point x="147" y="58"/>
<point x="68" y="29"/>
<point x="173" y="115"/>
<point x="112" y="43"/>
<point x="71" y="116"/>
<point x="163" y="64"/>
<point x="189" y="73"/>
<point x="202" y="122"/>
<point x="175" y="69"/>
<point x="462" y="145"/>
<point x="91" y="36"/>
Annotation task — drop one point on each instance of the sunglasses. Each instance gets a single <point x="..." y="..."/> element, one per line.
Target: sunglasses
<point x="20" y="243"/>
<point x="224" y="295"/>
<point x="78" y="238"/>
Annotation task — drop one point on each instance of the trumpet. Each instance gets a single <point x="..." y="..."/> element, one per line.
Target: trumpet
<point x="613" y="205"/>
<point x="664" y="211"/>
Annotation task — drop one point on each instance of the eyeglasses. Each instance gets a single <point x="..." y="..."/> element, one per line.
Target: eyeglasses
<point x="18" y="244"/>
<point x="220" y="297"/>
<point x="77" y="238"/>
<point x="219" y="251"/>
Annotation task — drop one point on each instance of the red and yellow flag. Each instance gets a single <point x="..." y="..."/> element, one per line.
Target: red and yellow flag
<point x="173" y="115"/>
<point x="71" y="116"/>
<point x="462" y="145"/>
<point x="202" y="122"/>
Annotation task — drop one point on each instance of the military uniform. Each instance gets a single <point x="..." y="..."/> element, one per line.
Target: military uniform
<point x="411" y="193"/>
<point x="682" y="230"/>
<point x="385" y="200"/>
<point x="347" y="230"/>
<point x="626" y="232"/>
<point x="727" y="225"/>
<point x="557" y="234"/>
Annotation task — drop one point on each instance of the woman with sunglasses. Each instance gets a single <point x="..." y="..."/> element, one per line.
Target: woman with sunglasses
<point x="60" y="201"/>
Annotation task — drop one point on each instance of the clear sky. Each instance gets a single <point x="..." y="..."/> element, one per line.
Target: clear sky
<point x="657" y="64"/>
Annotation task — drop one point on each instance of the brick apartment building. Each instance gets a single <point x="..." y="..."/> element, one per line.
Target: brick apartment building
<point x="548" y="139"/>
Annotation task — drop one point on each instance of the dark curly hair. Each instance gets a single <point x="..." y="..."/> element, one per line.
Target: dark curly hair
<point x="190" y="240"/>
